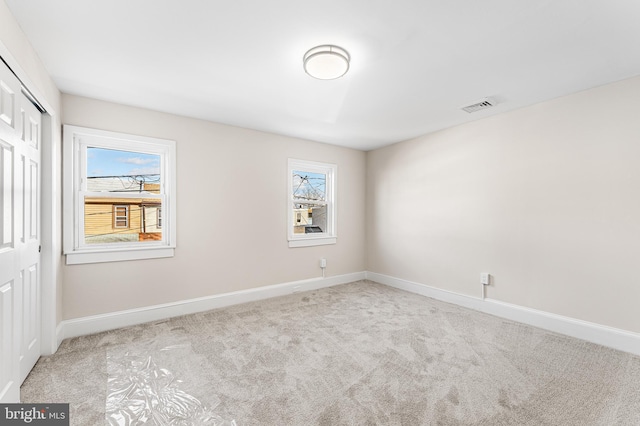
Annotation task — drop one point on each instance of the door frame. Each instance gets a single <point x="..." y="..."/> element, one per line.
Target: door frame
<point x="50" y="214"/>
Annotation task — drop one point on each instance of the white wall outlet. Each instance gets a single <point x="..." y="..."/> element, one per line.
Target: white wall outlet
<point x="485" y="278"/>
<point x="323" y="263"/>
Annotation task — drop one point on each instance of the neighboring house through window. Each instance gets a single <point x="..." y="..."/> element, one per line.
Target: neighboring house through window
<point x="115" y="190"/>
<point x="312" y="203"/>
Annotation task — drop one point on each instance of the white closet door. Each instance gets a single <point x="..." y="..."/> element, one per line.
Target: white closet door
<point x="20" y="131"/>
<point x="29" y="238"/>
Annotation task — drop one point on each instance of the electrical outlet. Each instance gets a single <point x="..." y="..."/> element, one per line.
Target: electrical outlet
<point x="485" y="278"/>
<point x="323" y="263"/>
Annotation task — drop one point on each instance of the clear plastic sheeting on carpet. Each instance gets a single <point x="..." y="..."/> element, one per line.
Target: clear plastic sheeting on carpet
<point x="153" y="384"/>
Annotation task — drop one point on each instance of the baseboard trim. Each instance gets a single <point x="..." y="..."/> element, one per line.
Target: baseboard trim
<point x="59" y="334"/>
<point x="603" y="335"/>
<point x="113" y="320"/>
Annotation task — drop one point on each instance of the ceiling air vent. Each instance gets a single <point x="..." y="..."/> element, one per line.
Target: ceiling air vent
<point x="483" y="104"/>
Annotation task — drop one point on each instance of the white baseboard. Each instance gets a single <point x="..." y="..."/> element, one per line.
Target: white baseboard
<point x="97" y="323"/>
<point x="59" y="334"/>
<point x="607" y="336"/>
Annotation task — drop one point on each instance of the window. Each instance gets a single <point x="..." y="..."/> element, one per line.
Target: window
<point x="120" y="216"/>
<point x="312" y="206"/>
<point x="118" y="189"/>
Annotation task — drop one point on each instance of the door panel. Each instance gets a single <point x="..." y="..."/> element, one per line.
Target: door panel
<point x="6" y="195"/>
<point x="30" y="333"/>
<point x="8" y="90"/>
<point x="9" y="387"/>
<point x="31" y="193"/>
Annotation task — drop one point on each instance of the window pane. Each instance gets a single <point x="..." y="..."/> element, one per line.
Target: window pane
<point x="110" y="170"/>
<point x="117" y="220"/>
<point x="309" y="218"/>
<point x="309" y="186"/>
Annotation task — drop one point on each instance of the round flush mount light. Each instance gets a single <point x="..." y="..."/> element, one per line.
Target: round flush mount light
<point x="326" y="62"/>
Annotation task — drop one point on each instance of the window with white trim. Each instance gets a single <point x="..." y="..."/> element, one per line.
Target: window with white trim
<point x="312" y="203"/>
<point x="114" y="189"/>
<point x="120" y="216"/>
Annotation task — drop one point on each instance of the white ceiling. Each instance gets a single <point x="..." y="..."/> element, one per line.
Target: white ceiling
<point x="415" y="63"/>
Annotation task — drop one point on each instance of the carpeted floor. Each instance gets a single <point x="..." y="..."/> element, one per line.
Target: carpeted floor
<point x="356" y="354"/>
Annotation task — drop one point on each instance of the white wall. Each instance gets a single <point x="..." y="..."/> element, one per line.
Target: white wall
<point x="545" y="198"/>
<point x="232" y="214"/>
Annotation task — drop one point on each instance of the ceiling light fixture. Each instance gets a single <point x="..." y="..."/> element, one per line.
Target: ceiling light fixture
<point x="326" y="62"/>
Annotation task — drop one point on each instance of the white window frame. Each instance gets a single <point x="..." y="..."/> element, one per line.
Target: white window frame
<point x="329" y="236"/>
<point x="116" y="217"/>
<point x="76" y="140"/>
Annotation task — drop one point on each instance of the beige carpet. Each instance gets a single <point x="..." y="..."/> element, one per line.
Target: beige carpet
<point x="356" y="354"/>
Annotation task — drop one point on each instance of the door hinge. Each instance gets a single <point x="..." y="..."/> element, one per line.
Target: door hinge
<point x="39" y="249"/>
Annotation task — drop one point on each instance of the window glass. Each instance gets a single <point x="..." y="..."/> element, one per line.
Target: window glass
<point x="309" y="195"/>
<point x="109" y="218"/>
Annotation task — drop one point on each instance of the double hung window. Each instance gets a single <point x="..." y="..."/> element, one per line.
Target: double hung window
<point x="312" y="203"/>
<point x="118" y="189"/>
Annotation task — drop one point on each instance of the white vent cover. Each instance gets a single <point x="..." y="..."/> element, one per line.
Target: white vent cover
<point x="483" y="104"/>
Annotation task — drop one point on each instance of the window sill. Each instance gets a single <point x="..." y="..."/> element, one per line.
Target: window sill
<point x="82" y="257"/>
<point x="309" y="242"/>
